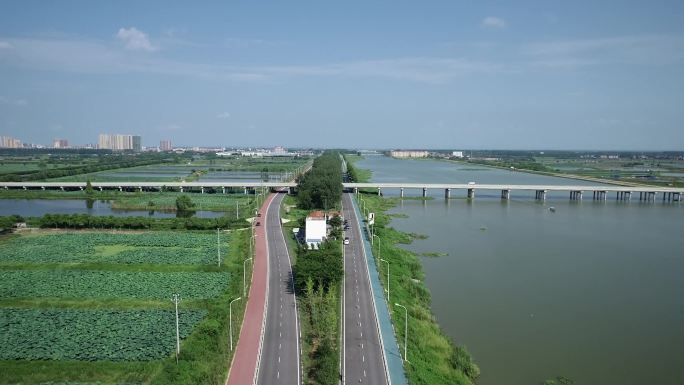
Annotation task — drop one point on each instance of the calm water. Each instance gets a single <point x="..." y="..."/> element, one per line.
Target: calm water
<point x="592" y="292"/>
<point x="40" y="207"/>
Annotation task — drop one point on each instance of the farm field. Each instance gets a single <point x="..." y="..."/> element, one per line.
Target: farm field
<point x="176" y="248"/>
<point x="95" y="307"/>
<point x="213" y="169"/>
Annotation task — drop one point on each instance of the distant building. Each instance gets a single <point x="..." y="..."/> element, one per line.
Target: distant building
<point x="60" y="143"/>
<point x="457" y="154"/>
<point x="165" y="145"/>
<point x="118" y="142"/>
<point x="316" y="229"/>
<point x="10" y="142"/>
<point x="409" y="154"/>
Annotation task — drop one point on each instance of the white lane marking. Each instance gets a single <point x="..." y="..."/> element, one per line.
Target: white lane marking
<point x="280" y="346"/>
<point x="363" y="358"/>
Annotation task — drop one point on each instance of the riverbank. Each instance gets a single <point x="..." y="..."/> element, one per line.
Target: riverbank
<point x="546" y="173"/>
<point x="432" y="356"/>
<point x="161" y="201"/>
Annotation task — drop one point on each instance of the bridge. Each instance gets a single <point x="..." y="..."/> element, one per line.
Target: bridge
<point x="576" y="192"/>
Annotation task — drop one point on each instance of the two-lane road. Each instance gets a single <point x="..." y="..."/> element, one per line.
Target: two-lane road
<point x="279" y="362"/>
<point x="363" y="361"/>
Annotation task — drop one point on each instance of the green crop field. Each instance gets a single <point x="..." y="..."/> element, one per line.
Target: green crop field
<point x="94" y="307"/>
<point x="91" y="335"/>
<point x="110" y="284"/>
<point x="178" y="248"/>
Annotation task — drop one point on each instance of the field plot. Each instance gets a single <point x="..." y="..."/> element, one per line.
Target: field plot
<point x="91" y="335"/>
<point x="110" y="284"/>
<point x="85" y="307"/>
<point x="177" y="248"/>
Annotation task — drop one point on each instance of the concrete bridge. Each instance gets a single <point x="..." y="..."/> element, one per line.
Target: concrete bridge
<point x="149" y="186"/>
<point x="646" y="193"/>
<point x="576" y="192"/>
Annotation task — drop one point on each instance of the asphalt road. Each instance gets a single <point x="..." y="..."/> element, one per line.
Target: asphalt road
<point x="363" y="356"/>
<point x="280" y="358"/>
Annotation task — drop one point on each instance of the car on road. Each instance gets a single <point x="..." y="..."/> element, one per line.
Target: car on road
<point x="258" y="223"/>
<point x="346" y="240"/>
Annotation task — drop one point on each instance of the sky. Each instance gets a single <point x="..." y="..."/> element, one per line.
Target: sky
<point x="521" y="74"/>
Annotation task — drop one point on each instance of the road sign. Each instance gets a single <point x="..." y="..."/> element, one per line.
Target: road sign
<point x="371" y="218"/>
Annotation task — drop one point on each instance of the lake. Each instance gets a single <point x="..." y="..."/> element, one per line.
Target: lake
<point x="591" y="291"/>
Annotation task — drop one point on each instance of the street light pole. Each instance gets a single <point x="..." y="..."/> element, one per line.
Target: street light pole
<point x="237" y="212"/>
<point x="405" y="329"/>
<point x="244" y="276"/>
<point x="230" y="316"/>
<point x="388" y="287"/>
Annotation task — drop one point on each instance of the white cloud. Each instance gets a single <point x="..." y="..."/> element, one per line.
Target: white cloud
<point x="135" y="40"/>
<point x="223" y="115"/>
<point x="5" y="45"/>
<point x="493" y="22"/>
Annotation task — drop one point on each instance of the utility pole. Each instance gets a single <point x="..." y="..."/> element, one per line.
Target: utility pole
<point x="218" y="246"/>
<point x="237" y="212"/>
<point x="175" y="300"/>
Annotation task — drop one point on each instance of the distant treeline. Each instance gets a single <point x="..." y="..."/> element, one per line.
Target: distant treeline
<point x="85" y="221"/>
<point x="321" y="187"/>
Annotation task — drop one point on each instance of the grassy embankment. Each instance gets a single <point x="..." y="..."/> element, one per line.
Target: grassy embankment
<point x="433" y="358"/>
<point x="151" y="201"/>
<point x="205" y="354"/>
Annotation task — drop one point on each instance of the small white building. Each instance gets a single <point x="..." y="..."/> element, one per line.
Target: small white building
<point x="316" y="229"/>
<point x="457" y="154"/>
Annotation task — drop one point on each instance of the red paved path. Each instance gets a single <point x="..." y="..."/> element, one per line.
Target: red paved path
<point x="243" y="368"/>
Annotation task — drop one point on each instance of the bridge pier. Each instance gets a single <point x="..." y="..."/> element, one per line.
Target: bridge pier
<point x="447" y="193"/>
<point x="223" y="189"/>
<point x="576" y="195"/>
<point x="202" y="190"/>
<point x="356" y="190"/>
<point x="506" y="194"/>
<point x="60" y="187"/>
<point x="401" y="192"/>
<point x="540" y="195"/>
<point x="471" y="193"/>
<point x="42" y="188"/>
<point x="140" y="188"/>
<point x="181" y="188"/>
<point x="245" y="190"/>
<point x="424" y="192"/>
<point x="379" y="191"/>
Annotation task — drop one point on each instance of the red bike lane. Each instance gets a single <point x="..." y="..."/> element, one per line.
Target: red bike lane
<point x="245" y="361"/>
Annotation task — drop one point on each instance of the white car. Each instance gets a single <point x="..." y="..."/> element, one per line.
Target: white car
<point x="346" y="241"/>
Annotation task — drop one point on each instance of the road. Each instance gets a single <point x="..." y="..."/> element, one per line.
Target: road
<point x="363" y="361"/>
<point x="243" y="369"/>
<point x="280" y="355"/>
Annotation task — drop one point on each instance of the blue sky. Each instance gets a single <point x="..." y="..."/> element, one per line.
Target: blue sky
<point x="451" y="74"/>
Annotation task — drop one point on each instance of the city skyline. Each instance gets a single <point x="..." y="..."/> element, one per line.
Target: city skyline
<point x="536" y="75"/>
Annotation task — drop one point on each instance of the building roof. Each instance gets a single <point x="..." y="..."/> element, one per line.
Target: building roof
<point x="318" y="214"/>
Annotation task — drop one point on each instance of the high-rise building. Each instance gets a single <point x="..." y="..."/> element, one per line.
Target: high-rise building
<point x="165" y="145"/>
<point x="10" y="142"/>
<point x="60" y="143"/>
<point x="118" y="142"/>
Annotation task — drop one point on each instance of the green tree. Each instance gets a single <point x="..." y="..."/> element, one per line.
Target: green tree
<point x="184" y="203"/>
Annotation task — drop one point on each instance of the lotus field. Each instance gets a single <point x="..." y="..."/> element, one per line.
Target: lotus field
<point x="176" y="248"/>
<point x="90" y="335"/>
<point x="85" y="307"/>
